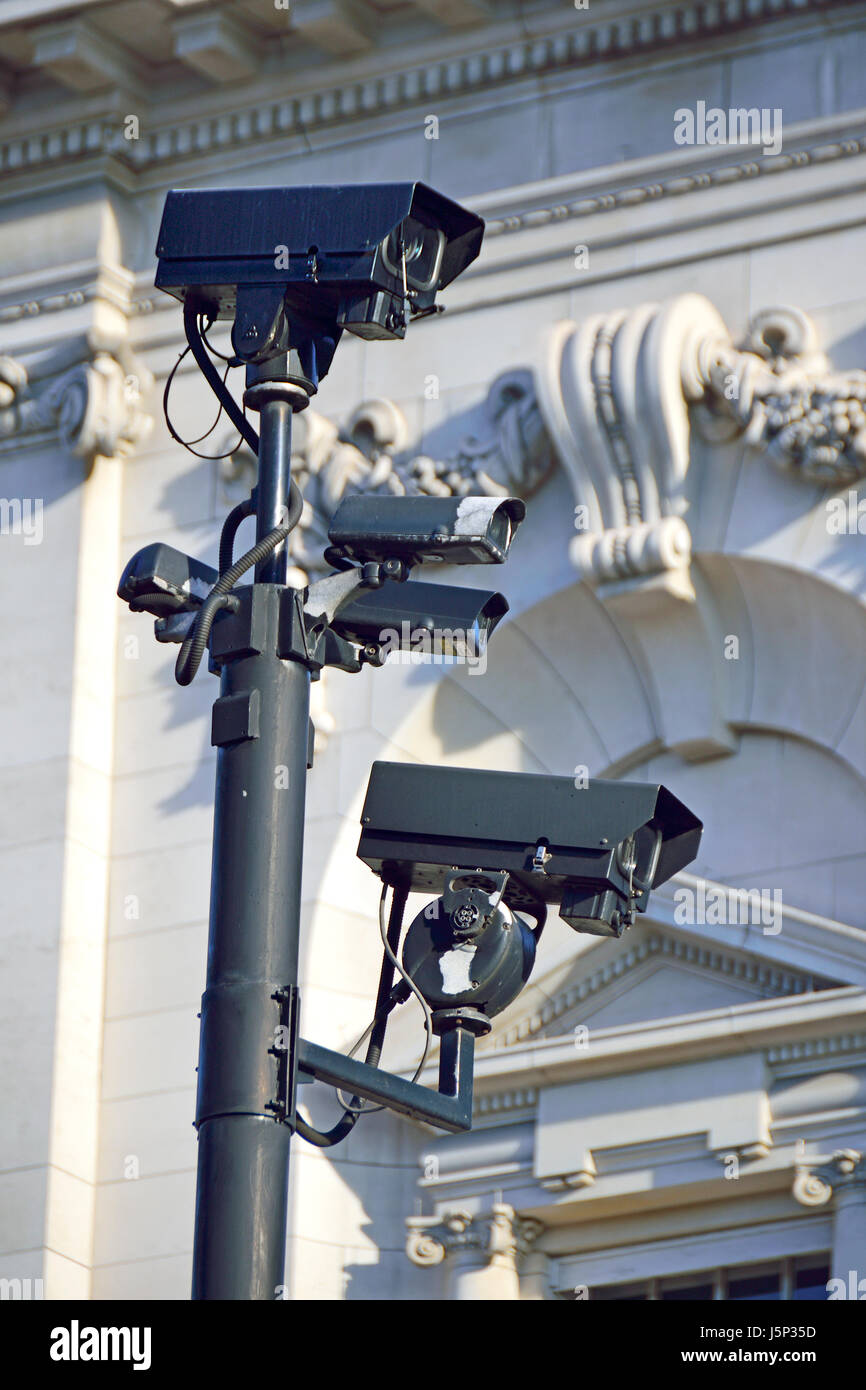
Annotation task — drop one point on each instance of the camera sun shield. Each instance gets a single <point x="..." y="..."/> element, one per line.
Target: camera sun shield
<point x="450" y="530"/>
<point x="161" y="580"/>
<point x="457" y="621"/>
<point x="597" y="850"/>
<point x="354" y="256"/>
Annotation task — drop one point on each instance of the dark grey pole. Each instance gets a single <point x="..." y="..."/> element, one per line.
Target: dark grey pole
<point x="249" y="1009"/>
<point x="275" y="445"/>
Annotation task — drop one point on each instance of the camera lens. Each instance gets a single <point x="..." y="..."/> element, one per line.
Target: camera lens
<point x="417" y="247"/>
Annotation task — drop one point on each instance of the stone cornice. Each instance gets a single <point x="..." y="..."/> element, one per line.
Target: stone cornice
<point x="548" y="206"/>
<point x="531" y="1070"/>
<point x="551" y="204"/>
<point x="815" y="1049"/>
<point x="520" y="1101"/>
<point x="805" y="942"/>
<point x="807" y="144"/>
<point x="711" y="1033"/>
<point x="480" y="60"/>
<point x="765" y="977"/>
<point x="55" y="292"/>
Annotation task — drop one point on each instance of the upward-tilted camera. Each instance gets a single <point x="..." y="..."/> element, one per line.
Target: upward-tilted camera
<point x="276" y="260"/>
<point x="448" y="530"/>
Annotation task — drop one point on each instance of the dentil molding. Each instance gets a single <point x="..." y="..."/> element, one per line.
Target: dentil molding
<point x="547" y="41"/>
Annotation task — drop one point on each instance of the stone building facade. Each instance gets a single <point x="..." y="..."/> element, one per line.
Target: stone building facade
<point x="662" y="348"/>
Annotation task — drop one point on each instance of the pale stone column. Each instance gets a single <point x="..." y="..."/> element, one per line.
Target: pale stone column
<point x="841" y="1178"/>
<point x="69" y="418"/>
<point x="535" y="1277"/>
<point x="483" y="1249"/>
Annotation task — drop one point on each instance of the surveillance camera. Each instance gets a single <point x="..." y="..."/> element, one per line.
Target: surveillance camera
<point x="286" y="262"/>
<point x="596" y="850"/>
<point x="468" y="949"/>
<point x="162" y="581"/>
<point x="439" y="618"/>
<point x="451" y="530"/>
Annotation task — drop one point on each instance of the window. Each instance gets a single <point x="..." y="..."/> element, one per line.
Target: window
<point x="797" y="1280"/>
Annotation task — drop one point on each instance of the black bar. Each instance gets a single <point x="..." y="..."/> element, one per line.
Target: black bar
<point x="386" y="976"/>
<point x="448" y="1108"/>
<point x="275" y="446"/>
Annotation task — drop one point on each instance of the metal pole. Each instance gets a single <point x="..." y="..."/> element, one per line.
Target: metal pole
<point x="275" y="446"/>
<point x="249" y="1008"/>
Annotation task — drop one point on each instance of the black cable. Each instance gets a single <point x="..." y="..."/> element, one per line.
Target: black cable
<point x="230" y="530"/>
<point x="188" y="443"/>
<point x="212" y="377"/>
<point x="391" y="942"/>
<point x="233" y="361"/>
<point x="386" y="976"/>
<point x="386" y="998"/>
<point x="191" y="652"/>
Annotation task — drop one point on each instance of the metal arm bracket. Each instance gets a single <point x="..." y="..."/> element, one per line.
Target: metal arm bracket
<point x="448" y="1108"/>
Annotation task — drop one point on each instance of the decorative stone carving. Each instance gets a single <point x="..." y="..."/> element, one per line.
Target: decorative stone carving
<point x="514" y="455"/>
<point x="783" y="395"/>
<point x="815" y="1185"/>
<point x="620" y="393"/>
<point x="614" y="392"/>
<point x="498" y="1234"/>
<point x="90" y="395"/>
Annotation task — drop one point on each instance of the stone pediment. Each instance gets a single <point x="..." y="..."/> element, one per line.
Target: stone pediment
<point x="661" y="976"/>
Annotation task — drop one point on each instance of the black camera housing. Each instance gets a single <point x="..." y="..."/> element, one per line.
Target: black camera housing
<point x="412" y="608"/>
<point x="287" y="262"/>
<point x="596" y="850"/>
<point x="450" y="530"/>
<point x="162" y="581"/>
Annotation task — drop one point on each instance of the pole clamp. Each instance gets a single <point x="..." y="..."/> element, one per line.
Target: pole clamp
<point x="248" y="1050"/>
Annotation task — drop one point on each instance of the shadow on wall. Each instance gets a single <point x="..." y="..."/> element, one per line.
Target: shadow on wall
<point x="366" y="1186"/>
